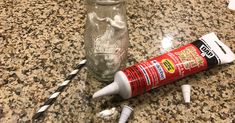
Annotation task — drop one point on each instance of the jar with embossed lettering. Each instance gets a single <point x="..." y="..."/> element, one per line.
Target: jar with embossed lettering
<point x="106" y="37"/>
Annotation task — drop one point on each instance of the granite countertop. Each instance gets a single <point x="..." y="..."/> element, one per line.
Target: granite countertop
<point x="41" y="41"/>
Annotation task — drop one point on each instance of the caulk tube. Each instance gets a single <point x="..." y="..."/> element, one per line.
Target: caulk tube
<point x="192" y="58"/>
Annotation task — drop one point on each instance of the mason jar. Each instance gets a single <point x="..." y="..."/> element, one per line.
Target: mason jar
<point x="106" y="37"/>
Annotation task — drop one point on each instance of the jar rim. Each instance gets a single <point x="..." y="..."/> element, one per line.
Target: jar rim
<point x="106" y="2"/>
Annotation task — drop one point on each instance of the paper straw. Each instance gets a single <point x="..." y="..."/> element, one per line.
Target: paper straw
<point x="60" y="89"/>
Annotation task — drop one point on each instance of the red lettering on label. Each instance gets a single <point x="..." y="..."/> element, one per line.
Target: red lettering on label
<point x="164" y="69"/>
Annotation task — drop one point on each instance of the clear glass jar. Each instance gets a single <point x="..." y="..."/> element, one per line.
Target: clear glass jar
<point x="106" y="37"/>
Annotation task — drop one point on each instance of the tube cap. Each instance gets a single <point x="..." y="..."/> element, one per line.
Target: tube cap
<point x="186" y="93"/>
<point x="126" y="112"/>
<point x="231" y="4"/>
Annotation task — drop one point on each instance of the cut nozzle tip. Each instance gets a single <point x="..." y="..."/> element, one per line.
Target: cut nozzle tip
<point x="186" y="93"/>
<point x="108" y="90"/>
<point x="125" y="114"/>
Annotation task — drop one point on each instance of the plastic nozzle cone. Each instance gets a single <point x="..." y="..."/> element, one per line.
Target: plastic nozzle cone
<point x="126" y="112"/>
<point x="111" y="89"/>
<point x="186" y="93"/>
<point x="231" y="4"/>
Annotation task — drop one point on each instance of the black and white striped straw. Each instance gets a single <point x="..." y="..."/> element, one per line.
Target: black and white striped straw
<point x="60" y="89"/>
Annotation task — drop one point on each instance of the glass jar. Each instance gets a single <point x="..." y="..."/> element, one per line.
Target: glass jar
<point x="106" y="37"/>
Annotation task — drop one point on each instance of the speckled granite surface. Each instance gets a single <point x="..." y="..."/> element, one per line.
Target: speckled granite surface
<point x="42" y="40"/>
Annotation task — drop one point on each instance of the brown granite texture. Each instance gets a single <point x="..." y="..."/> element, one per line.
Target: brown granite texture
<point x="42" y="40"/>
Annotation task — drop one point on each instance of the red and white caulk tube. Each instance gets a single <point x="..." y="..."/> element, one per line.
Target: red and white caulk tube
<point x="204" y="53"/>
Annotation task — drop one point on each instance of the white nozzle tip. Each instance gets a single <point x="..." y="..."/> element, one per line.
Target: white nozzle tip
<point x="108" y="90"/>
<point x="186" y="93"/>
<point x="95" y="95"/>
<point x="126" y="112"/>
<point x="231" y="4"/>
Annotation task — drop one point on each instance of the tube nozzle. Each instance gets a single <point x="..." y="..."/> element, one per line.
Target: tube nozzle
<point x="111" y="89"/>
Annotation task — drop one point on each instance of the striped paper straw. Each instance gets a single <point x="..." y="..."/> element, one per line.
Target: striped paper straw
<point x="60" y="89"/>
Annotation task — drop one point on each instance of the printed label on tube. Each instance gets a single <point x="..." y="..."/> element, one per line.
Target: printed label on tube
<point x="171" y="66"/>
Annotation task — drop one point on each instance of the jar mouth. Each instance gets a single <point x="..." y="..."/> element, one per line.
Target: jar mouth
<point x="106" y="2"/>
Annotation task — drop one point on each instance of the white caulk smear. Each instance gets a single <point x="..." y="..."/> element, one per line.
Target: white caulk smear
<point x="117" y="22"/>
<point x="108" y="113"/>
<point x="166" y="44"/>
<point x="93" y="16"/>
